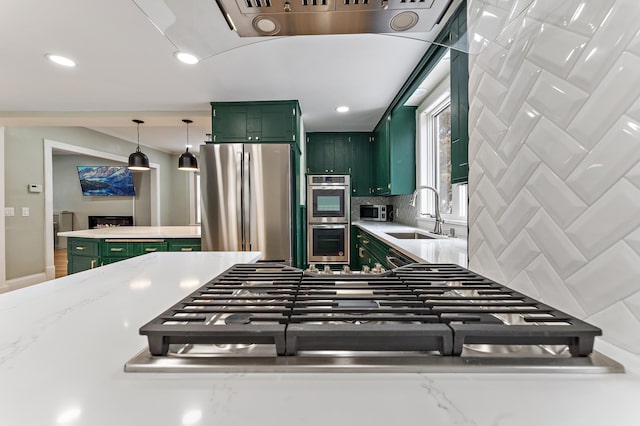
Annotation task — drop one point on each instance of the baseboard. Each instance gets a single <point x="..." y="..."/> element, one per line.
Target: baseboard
<point x="22" y="282"/>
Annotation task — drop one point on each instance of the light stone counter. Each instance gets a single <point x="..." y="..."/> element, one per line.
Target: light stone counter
<point x="437" y="250"/>
<point x="136" y="232"/>
<point x="63" y="345"/>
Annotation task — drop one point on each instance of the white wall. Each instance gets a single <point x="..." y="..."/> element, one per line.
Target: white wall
<point x="554" y="156"/>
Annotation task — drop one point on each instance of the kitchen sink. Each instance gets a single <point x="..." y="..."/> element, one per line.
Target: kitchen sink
<point x="410" y="236"/>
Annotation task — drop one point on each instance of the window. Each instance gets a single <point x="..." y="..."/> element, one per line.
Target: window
<point x="434" y="153"/>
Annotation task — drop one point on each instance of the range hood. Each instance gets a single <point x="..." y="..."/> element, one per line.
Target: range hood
<point x="256" y="18"/>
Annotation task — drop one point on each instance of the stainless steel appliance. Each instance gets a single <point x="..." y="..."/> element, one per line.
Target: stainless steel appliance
<point x="376" y="212"/>
<point x="328" y="243"/>
<point x="247" y="199"/>
<point x="328" y="217"/>
<point x="420" y="317"/>
<point x="328" y="198"/>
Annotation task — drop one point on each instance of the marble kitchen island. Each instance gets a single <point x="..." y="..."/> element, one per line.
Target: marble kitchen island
<point x="64" y="343"/>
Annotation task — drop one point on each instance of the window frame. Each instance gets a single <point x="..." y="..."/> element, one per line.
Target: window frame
<point x="427" y="158"/>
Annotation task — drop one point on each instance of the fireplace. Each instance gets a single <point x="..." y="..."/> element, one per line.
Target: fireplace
<point x="109" y="221"/>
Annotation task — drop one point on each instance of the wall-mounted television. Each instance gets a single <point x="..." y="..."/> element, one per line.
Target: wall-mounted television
<point x="106" y="181"/>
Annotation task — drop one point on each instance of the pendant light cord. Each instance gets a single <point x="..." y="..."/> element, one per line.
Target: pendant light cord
<point x="138" y="148"/>
<point x="187" y="137"/>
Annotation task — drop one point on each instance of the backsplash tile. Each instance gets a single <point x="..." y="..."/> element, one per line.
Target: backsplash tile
<point x="618" y="90"/>
<point x="609" y="161"/>
<point x="556" y="98"/>
<point x="560" y="222"/>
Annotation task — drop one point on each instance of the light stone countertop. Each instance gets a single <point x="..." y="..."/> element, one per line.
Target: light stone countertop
<point x="437" y="250"/>
<point x="63" y="345"/>
<point x="136" y="232"/>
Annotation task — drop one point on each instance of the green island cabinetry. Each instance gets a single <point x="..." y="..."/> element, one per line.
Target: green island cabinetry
<point x="89" y="253"/>
<point x="342" y="153"/>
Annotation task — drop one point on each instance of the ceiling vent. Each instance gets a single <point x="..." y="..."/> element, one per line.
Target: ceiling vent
<point x="254" y="18"/>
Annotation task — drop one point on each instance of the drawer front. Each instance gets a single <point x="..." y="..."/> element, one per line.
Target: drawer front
<point x="184" y="245"/>
<point x="83" y="247"/>
<point x="152" y="247"/>
<point x="116" y="249"/>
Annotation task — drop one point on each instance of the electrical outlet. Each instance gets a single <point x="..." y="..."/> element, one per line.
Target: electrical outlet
<point x="25" y="211"/>
<point x="9" y="211"/>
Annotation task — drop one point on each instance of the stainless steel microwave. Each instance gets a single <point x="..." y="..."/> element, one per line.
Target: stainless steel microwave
<point x="379" y="212"/>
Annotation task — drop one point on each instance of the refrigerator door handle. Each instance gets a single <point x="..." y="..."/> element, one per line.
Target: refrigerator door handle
<point x="239" y="197"/>
<point x="246" y="219"/>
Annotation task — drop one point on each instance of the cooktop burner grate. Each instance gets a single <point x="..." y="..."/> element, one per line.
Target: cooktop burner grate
<point x="418" y="308"/>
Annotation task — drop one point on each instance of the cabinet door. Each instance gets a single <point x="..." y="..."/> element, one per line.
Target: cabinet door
<point x="229" y="123"/>
<point x="81" y="263"/>
<point x="361" y="147"/>
<point x="459" y="103"/>
<point x="402" y="151"/>
<point x="342" y="148"/>
<point x="277" y="123"/>
<point x="380" y="170"/>
<point x="316" y="144"/>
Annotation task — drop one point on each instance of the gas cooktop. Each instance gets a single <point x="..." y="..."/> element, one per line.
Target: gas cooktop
<point x="420" y="317"/>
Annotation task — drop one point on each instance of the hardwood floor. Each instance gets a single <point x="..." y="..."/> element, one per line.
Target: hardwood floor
<point x="60" y="260"/>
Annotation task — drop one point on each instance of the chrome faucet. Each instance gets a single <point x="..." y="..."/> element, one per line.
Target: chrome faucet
<point x="437" y="229"/>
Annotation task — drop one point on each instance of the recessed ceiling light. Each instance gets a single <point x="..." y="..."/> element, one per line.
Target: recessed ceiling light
<point x="342" y="109"/>
<point x="186" y="58"/>
<point x="60" y="60"/>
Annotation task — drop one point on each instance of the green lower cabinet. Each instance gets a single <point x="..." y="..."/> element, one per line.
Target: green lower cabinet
<point x="367" y="250"/>
<point x="82" y="254"/>
<point x="184" y="245"/>
<point x="81" y="263"/>
<point x="89" y="253"/>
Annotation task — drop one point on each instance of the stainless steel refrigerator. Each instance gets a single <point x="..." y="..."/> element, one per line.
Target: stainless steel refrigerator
<point x="247" y="199"/>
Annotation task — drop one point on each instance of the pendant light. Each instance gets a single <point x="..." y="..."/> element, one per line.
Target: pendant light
<point x="138" y="160"/>
<point x="187" y="160"/>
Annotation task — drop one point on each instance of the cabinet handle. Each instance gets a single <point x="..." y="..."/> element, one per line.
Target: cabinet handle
<point x="93" y="263"/>
<point x="80" y="248"/>
<point x="118" y="249"/>
<point x="257" y="138"/>
<point x="186" y="249"/>
<point x="214" y="138"/>
<point x="150" y="249"/>
<point x="250" y="138"/>
<point x="365" y="241"/>
<point x="354" y="190"/>
<point x="361" y="252"/>
<point x="214" y="112"/>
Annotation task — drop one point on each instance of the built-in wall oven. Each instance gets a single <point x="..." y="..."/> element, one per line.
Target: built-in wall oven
<point x="328" y="243"/>
<point x="328" y="198"/>
<point x="328" y="217"/>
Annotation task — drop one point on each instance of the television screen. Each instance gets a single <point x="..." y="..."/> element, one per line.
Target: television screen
<point x="106" y="180"/>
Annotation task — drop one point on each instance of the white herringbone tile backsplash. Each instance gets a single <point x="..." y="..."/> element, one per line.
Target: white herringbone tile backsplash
<point x="554" y="154"/>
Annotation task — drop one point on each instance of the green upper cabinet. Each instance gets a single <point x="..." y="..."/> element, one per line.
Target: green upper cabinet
<point x="254" y="122"/>
<point x="459" y="101"/>
<point x="341" y="153"/>
<point x="394" y="154"/>
<point x="361" y="144"/>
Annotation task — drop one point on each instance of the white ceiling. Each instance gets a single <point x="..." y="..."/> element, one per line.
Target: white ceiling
<point x="126" y="70"/>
